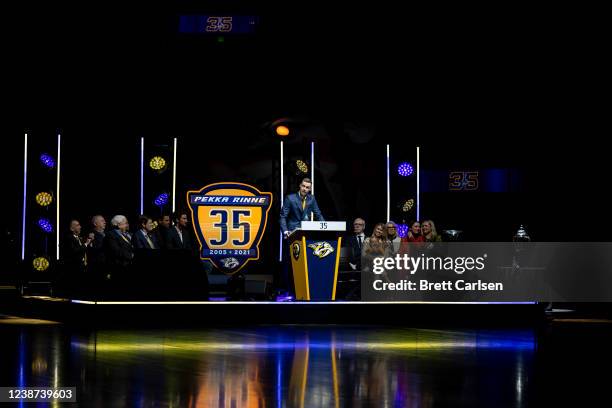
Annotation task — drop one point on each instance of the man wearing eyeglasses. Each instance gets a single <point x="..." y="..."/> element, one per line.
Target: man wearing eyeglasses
<point x="393" y="237"/>
<point x="355" y="243"/>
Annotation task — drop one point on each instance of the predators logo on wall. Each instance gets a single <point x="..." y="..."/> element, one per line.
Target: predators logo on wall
<point x="229" y="220"/>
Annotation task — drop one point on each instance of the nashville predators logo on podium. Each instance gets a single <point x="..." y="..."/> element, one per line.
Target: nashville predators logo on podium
<point x="229" y="220"/>
<point x="321" y="249"/>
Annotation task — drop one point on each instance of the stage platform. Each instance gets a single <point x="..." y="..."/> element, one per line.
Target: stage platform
<point x="200" y="313"/>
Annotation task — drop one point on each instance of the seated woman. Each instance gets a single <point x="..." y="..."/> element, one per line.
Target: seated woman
<point x="375" y="246"/>
<point x="412" y="238"/>
<point x="428" y="229"/>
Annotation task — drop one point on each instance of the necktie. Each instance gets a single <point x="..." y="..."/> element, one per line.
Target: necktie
<point x="84" y="253"/>
<point x="148" y="238"/>
<point x="303" y="203"/>
<point x="359" y="240"/>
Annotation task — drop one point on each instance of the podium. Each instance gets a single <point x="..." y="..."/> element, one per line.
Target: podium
<point x="314" y="249"/>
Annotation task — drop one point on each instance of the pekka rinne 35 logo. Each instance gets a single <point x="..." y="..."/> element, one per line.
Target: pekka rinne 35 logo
<point x="229" y="220"/>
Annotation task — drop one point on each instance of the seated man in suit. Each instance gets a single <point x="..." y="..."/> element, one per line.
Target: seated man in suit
<point x="95" y="254"/>
<point x="74" y="259"/>
<point x="118" y="248"/>
<point x="144" y="238"/>
<point x="355" y="244"/>
<point x="297" y="207"/>
<point x="162" y="230"/>
<point x="179" y="236"/>
<point x="75" y="248"/>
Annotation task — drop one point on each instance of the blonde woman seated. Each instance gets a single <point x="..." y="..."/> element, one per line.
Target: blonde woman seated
<point x="428" y="230"/>
<point x="375" y="246"/>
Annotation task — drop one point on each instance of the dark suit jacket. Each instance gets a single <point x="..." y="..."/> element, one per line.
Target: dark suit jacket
<point x="117" y="250"/>
<point x="174" y="241"/>
<point x="74" y="253"/>
<point x="355" y="250"/>
<point x="161" y="235"/>
<point x="95" y="254"/>
<point x="140" y="241"/>
<point x="292" y="214"/>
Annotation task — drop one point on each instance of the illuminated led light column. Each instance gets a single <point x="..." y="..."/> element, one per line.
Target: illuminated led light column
<point x="57" y="202"/>
<point x="282" y="197"/>
<point x="312" y="175"/>
<point x="388" y="187"/>
<point x="174" y="177"/>
<point x="25" y="187"/>
<point x="141" y="175"/>
<point x="312" y="167"/>
<point x="418" y="190"/>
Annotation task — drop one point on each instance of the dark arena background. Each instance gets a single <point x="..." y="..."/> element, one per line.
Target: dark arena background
<point x="509" y="97"/>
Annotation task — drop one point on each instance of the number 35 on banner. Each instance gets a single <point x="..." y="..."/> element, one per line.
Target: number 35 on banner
<point x="229" y="220"/>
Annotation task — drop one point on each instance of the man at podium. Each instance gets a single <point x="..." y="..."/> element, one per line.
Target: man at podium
<point x="297" y="207"/>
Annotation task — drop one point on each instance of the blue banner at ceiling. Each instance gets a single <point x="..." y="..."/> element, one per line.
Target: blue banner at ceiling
<point x="490" y="180"/>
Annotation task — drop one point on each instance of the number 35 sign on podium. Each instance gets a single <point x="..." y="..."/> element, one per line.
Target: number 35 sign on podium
<point x="229" y="220"/>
